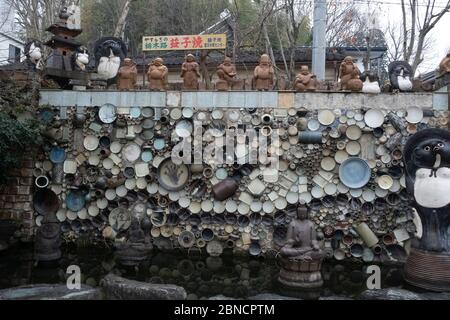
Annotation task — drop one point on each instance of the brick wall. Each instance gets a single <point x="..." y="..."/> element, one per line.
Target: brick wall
<point x="16" y="198"/>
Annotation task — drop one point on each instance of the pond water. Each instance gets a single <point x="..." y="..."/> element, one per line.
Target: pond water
<point x="202" y="276"/>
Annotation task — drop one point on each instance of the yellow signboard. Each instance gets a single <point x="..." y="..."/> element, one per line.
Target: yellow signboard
<point x="193" y="42"/>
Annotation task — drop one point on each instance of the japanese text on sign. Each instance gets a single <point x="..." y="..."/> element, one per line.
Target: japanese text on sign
<point x="195" y="42"/>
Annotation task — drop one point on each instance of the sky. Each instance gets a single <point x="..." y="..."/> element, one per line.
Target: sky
<point x="390" y="12"/>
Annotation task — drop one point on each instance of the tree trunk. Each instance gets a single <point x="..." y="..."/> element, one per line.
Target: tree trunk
<point x="122" y="20"/>
<point x="204" y="70"/>
<point x="282" y="53"/>
<point x="272" y="56"/>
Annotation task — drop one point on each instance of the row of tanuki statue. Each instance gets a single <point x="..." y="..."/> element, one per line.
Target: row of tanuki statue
<point x="263" y="77"/>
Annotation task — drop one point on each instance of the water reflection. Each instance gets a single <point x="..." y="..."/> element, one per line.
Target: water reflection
<point x="201" y="276"/>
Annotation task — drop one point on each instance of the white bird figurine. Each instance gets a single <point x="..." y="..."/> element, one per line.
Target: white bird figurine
<point x="109" y="66"/>
<point x="35" y="53"/>
<point x="404" y="82"/>
<point x="82" y="59"/>
<point x="371" y="87"/>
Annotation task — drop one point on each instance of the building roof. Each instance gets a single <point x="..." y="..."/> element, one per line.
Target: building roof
<point x="12" y="38"/>
<point x="302" y="55"/>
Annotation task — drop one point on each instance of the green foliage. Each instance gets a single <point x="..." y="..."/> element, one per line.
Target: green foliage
<point x="16" y="139"/>
<point x="17" y="134"/>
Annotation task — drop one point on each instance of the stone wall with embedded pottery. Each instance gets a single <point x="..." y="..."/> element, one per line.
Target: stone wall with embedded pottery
<point x="107" y="166"/>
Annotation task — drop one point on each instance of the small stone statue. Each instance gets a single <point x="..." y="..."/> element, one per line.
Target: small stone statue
<point x="48" y="240"/>
<point x="444" y="66"/>
<point x="127" y="75"/>
<point x="302" y="238"/>
<point x="301" y="257"/>
<point x="350" y="75"/>
<point x="190" y="72"/>
<point x="227" y="75"/>
<point x="305" y="80"/>
<point x="136" y="248"/>
<point x="157" y="75"/>
<point x="263" y="78"/>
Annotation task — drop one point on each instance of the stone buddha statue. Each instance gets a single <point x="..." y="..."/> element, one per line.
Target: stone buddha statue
<point x="157" y="75"/>
<point x="190" y="72"/>
<point x="127" y="75"/>
<point x="444" y="66"/>
<point x="48" y="240"/>
<point x="136" y="248"/>
<point x="305" y="80"/>
<point x="302" y="241"/>
<point x="227" y="75"/>
<point x="263" y="78"/>
<point x="350" y="75"/>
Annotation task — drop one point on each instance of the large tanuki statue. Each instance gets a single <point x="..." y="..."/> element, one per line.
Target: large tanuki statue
<point x="350" y="74"/>
<point x="305" y="80"/>
<point x="157" y="75"/>
<point x="190" y="72"/>
<point x="301" y="256"/>
<point x="263" y="77"/>
<point x="427" y="162"/>
<point x="127" y="75"/>
<point x="227" y="75"/>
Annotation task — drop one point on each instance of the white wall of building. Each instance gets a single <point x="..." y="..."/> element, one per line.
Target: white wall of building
<point x="8" y="33"/>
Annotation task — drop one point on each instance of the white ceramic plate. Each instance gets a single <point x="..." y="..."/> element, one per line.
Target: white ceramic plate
<point x="131" y="152"/>
<point x="313" y="125"/>
<point x="374" y="118"/>
<point x="340" y="156"/>
<point x="184" y="129"/>
<point x="328" y="164"/>
<point x="115" y="147"/>
<point x="231" y="206"/>
<point x="108" y="164"/>
<point x="415" y="115"/>
<point x="107" y="113"/>
<point x="385" y="182"/>
<point x="207" y="205"/>
<point x="353" y="132"/>
<point x="268" y="207"/>
<point x="353" y="148"/>
<point x="368" y="195"/>
<point x="256" y="206"/>
<point x="326" y="117"/>
<point x="317" y="192"/>
<point x="61" y="215"/>
<point x="330" y="189"/>
<point x="90" y="143"/>
<point x="93" y="210"/>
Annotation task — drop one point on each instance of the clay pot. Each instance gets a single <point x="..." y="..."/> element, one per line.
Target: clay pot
<point x="225" y="189"/>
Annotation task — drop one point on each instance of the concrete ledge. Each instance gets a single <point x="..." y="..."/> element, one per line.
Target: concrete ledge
<point x="239" y="99"/>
